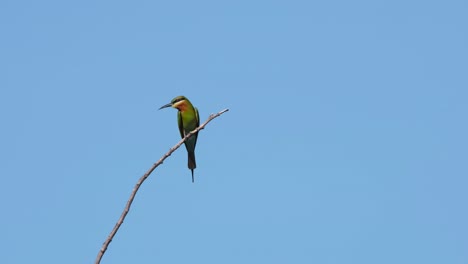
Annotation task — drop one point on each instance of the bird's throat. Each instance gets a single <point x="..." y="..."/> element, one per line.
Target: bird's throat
<point x="182" y="106"/>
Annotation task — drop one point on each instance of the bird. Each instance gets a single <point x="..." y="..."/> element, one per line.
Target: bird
<point x="187" y="120"/>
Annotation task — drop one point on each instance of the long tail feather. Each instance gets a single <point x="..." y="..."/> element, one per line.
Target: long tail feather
<point x="191" y="163"/>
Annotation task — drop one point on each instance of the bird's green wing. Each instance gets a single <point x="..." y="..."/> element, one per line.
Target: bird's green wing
<point x="198" y="124"/>
<point x="181" y="125"/>
<point x="197" y="117"/>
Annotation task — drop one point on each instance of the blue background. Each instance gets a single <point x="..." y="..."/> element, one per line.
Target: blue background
<point x="346" y="139"/>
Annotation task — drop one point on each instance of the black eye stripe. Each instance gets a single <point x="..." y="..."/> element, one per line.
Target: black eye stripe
<point x="178" y="100"/>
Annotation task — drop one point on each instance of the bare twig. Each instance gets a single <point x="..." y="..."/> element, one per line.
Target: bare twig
<point x="142" y="179"/>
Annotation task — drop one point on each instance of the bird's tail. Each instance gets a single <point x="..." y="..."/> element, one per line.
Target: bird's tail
<point x="191" y="163"/>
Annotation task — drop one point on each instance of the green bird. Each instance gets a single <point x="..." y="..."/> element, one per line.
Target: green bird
<point x="188" y="120"/>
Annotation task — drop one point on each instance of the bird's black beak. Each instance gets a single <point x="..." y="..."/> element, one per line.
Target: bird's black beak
<point x="166" y="105"/>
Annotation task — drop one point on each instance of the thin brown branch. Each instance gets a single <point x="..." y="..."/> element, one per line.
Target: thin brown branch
<point x="142" y="179"/>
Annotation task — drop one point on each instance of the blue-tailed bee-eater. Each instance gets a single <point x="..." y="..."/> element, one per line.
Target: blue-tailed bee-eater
<point x="188" y="120"/>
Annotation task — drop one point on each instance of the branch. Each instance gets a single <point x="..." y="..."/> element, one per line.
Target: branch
<point x="142" y="179"/>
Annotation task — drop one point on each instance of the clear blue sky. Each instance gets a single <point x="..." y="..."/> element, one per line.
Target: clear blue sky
<point x="346" y="140"/>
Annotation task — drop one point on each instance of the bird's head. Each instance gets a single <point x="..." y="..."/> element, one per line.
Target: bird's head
<point x="180" y="102"/>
